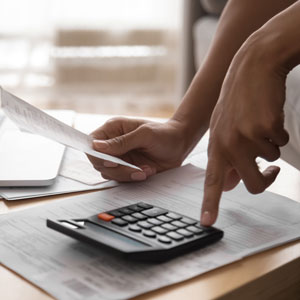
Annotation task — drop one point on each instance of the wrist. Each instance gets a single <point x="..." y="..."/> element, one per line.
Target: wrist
<point x="275" y="45"/>
<point x="189" y="133"/>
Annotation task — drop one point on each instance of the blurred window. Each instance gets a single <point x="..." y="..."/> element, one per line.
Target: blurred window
<point x="86" y="55"/>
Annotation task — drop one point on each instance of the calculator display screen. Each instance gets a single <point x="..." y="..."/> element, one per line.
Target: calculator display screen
<point x="122" y="239"/>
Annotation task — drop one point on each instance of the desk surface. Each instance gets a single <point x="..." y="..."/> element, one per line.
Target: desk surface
<point x="273" y="274"/>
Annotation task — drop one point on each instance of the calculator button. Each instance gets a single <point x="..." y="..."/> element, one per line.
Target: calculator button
<point x="105" y="217"/>
<point x="119" y="222"/>
<point x="135" y="207"/>
<point x="169" y="226"/>
<point x="145" y="224"/>
<point x="135" y="228"/>
<point x="126" y="211"/>
<point x="188" y="221"/>
<point x="179" y="224"/>
<point x="129" y="219"/>
<point x="195" y="229"/>
<point x="173" y="216"/>
<point x="149" y="233"/>
<point x="115" y="213"/>
<point x="175" y="236"/>
<point x="139" y="216"/>
<point x="159" y="230"/>
<point x="164" y="239"/>
<point x="184" y="232"/>
<point x="144" y="205"/>
<point x="154" y="212"/>
<point x="164" y="218"/>
<point x="154" y="221"/>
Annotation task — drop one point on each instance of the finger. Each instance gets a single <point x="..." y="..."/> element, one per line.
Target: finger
<point x="120" y="145"/>
<point x="232" y="179"/>
<point x="268" y="150"/>
<point x="279" y="137"/>
<point x="99" y="134"/>
<point x="270" y="175"/>
<point x="255" y="181"/>
<point x="213" y="187"/>
<point x="124" y="174"/>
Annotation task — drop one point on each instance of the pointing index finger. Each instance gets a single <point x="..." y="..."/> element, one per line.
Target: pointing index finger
<point x="213" y="188"/>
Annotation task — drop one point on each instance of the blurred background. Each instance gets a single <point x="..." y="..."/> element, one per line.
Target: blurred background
<point x="93" y="56"/>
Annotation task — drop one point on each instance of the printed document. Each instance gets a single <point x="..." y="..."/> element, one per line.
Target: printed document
<point x="30" y="118"/>
<point x="71" y="270"/>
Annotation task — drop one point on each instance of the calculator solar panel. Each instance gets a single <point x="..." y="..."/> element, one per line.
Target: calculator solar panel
<point x="140" y="231"/>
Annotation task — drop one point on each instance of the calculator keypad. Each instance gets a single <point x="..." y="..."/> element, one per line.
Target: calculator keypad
<point x="155" y="223"/>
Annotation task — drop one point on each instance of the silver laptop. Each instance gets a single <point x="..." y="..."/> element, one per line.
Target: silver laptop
<point x="27" y="159"/>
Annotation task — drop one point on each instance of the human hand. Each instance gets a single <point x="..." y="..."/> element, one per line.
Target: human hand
<point x="154" y="147"/>
<point x="247" y="122"/>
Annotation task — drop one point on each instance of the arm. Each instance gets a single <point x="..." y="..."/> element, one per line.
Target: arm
<point x="151" y="145"/>
<point x="248" y="120"/>
<point x="239" y="20"/>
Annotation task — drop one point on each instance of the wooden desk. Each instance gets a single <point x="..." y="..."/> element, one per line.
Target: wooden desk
<point x="273" y="274"/>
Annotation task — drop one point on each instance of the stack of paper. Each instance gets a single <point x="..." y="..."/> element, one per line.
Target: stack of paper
<point x="70" y="270"/>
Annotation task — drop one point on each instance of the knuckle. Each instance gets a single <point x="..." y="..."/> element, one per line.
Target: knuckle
<point x="114" y="120"/>
<point x="119" y="141"/>
<point x="147" y="129"/>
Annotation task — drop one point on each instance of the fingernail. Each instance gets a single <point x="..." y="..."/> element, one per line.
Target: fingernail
<point x="101" y="145"/>
<point x="138" y="176"/>
<point x="110" y="164"/>
<point x="206" y="218"/>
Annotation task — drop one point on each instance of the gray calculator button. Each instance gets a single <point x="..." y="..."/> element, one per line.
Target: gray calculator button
<point x="195" y="229"/>
<point x="188" y="221"/>
<point x="175" y="236"/>
<point x="155" y="221"/>
<point x="173" y="216"/>
<point x="144" y="205"/>
<point x="164" y="239"/>
<point x="179" y="224"/>
<point x="159" y="230"/>
<point x="184" y="232"/>
<point x="139" y="216"/>
<point x="149" y="233"/>
<point x="164" y="218"/>
<point x="135" y="228"/>
<point x="129" y="219"/>
<point x="169" y="226"/>
<point x="119" y="222"/>
<point x="115" y="213"/>
<point x="145" y="224"/>
<point x="126" y="211"/>
<point x="135" y="207"/>
<point x="154" y="212"/>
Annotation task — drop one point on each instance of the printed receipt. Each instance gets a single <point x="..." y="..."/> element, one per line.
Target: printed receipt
<point x="30" y="118"/>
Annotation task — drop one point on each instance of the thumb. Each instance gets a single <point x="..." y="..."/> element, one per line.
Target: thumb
<point x="119" y="145"/>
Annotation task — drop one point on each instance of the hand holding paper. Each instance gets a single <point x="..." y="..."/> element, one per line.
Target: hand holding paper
<point x="30" y="118"/>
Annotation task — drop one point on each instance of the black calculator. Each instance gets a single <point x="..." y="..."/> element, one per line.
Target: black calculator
<point x="140" y="231"/>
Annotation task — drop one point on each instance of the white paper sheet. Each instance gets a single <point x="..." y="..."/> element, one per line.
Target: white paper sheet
<point x="29" y="118"/>
<point x="76" y="166"/>
<point x="62" y="185"/>
<point x="68" y="269"/>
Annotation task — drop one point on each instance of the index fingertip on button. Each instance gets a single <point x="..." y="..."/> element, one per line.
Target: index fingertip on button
<point x="206" y="219"/>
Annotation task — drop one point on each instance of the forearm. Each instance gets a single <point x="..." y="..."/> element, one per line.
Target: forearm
<point x="277" y="43"/>
<point x="238" y="21"/>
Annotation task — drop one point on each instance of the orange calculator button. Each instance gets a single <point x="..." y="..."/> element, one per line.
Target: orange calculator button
<point x="105" y="217"/>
